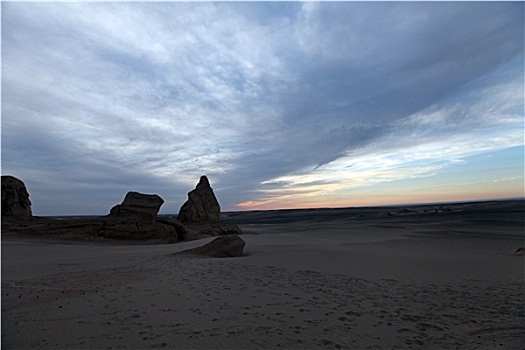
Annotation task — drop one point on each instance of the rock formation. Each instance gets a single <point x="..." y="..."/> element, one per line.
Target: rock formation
<point x="202" y="205"/>
<point x="138" y="204"/>
<point x="221" y="247"/>
<point x="201" y="214"/>
<point x="15" y="198"/>
<point x="136" y="218"/>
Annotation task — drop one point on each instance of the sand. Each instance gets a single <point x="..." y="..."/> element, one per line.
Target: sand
<point x="425" y="281"/>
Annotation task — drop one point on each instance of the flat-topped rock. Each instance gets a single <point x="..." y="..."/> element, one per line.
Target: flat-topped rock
<point x="15" y="198"/>
<point x="136" y="219"/>
<point x="138" y="204"/>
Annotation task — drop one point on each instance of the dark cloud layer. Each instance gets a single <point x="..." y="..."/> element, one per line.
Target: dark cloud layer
<point x="268" y="99"/>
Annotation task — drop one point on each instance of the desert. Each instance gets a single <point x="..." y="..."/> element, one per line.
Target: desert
<point x="262" y="175"/>
<point x="414" y="277"/>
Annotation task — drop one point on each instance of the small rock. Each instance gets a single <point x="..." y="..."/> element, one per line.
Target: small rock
<point x="221" y="247"/>
<point x="519" y="251"/>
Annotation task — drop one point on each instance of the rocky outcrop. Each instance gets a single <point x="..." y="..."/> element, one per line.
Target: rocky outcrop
<point x="202" y="205"/>
<point x="221" y="247"/>
<point x="136" y="218"/>
<point x="129" y="228"/>
<point x="138" y="204"/>
<point x="201" y="214"/>
<point x="15" y="198"/>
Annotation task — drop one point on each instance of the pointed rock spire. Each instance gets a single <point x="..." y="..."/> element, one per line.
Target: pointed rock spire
<point x="202" y="205"/>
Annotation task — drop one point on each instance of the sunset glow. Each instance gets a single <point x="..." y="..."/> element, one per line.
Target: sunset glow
<point x="280" y="104"/>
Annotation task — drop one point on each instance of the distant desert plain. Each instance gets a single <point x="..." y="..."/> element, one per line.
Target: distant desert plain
<point x="447" y="276"/>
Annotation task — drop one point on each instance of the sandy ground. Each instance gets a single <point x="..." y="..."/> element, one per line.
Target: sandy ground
<point x="395" y="283"/>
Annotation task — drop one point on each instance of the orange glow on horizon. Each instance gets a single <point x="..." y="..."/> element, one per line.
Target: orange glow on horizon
<point x="352" y="193"/>
<point x="280" y="204"/>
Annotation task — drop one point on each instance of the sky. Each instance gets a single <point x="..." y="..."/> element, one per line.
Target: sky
<point x="281" y="104"/>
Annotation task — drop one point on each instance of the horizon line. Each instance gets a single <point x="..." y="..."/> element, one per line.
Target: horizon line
<point x="503" y="199"/>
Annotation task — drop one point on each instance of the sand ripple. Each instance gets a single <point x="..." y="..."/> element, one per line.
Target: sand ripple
<point x="182" y="303"/>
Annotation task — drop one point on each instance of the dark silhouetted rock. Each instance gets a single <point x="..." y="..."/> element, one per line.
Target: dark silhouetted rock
<point x="137" y="228"/>
<point x="519" y="251"/>
<point x="202" y="205"/>
<point x="15" y="198"/>
<point x="138" y="204"/>
<point x="176" y="224"/>
<point x="201" y="214"/>
<point x="198" y="230"/>
<point x="402" y="211"/>
<point x="136" y="219"/>
<point x="221" y="247"/>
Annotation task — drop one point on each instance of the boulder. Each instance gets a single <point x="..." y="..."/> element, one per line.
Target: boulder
<point x="136" y="219"/>
<point x="202" y="205"/>
<point x="139" y="205"/>
<point x="15" y="198"/>
<point x="198" y="230"/>
<point x="221" y="247"/>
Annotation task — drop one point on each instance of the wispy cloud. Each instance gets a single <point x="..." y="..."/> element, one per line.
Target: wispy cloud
<point x="268" y="99"/>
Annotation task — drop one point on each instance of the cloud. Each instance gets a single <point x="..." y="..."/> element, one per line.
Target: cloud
<point x="482" y="116"/>
<point x="96" y="94"/>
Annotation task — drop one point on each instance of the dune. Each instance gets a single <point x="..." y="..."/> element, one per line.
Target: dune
<point x="335" y="279"/>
